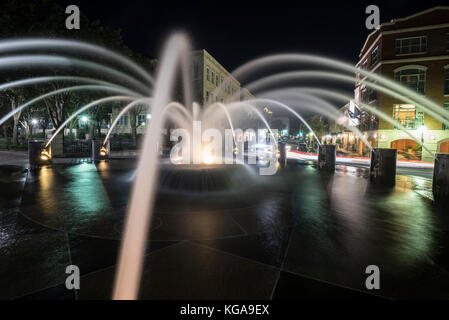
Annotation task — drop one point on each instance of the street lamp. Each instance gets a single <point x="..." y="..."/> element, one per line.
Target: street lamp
<point x="84" y="119"/>
<point x="34" y="122"/>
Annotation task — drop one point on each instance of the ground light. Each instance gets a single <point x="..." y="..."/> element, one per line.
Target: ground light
<point x="45" y="155"/>
<point x="103" y="151"/>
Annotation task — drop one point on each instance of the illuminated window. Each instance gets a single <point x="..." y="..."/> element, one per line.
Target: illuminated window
<point x="411" y="45"/>
<point x="413" y="78"/>
<point x="408" y="116"/>
<point x="123" y="121"/>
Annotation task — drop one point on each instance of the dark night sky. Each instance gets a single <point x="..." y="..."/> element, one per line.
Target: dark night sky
<point x="237" y="31"/>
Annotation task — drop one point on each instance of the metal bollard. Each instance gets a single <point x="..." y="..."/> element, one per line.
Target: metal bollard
<point x="383" y="166"/>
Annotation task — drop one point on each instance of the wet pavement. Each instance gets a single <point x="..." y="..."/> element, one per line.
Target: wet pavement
<point x="299" y="234"/>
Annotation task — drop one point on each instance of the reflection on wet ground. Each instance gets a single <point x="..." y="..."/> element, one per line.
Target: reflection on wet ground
<point x="298" y="234"/>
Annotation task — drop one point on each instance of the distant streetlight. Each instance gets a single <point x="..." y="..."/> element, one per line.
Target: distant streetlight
<point x="34" y="122"/>
<point x="84" y="119"/>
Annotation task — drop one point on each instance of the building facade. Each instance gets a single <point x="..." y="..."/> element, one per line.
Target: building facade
<point x="413" y="51"/>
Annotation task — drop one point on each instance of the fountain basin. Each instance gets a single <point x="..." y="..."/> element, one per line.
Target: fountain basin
<point x="204" y="178"/>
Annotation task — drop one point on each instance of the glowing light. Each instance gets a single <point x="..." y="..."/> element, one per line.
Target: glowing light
<point x="103" y="151"/>
<point x="45" y="156"/>
<point x="375" y="136"/>
<point x="148" y="116"/>
<point x="84" y="119"/>
<point x="432" y="137"/>
<point x="383" y="137"/>
<point x="422" y="128"/>
<point x="34" y="121"/>
<point x="208" y="158"/>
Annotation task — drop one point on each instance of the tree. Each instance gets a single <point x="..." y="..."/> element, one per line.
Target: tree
<point x="43" y="18"/>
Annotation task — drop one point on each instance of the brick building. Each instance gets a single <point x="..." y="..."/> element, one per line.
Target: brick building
<point x="415" y="52"/>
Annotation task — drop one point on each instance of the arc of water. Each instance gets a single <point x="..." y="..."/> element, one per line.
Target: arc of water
<point x="146" y="101"/>
<point x="76" y="46"/>
<point x="47" y="60"/>
<point x="36" y="80"/>
<point x="247" y="104"/>
<point x="282" y="105"/>
<point x="272" y="60"/>
<point x="184" y="121"/>
<point x="371" y="109"/>
<point x="331" y="111"/>
<point x="143" y="192"/>
<point x="225" y="110"/>
<point x="87" y="106"/>
<point x="68" y="89"/>
<point x="275" y="79"/>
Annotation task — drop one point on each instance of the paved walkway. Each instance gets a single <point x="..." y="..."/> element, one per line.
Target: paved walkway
<point x="19" y="158"/>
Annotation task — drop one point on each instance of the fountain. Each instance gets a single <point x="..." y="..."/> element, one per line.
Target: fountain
<point x="200" y="169"/>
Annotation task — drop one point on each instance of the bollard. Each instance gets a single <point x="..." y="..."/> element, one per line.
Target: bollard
<point x="282" y="154"/>
<point x="37" y="154"/>
<point x="34" y="153"/>
<point x="326" y="156"/>
<point x="383" y="166"/>
<point x="99" y="151"/>
<point x="440" y="182"/>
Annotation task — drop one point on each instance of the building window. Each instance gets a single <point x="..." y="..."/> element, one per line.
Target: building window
<point x="408" y="116"/>
<point x="123" y="121"/>
<point x="446" y="107"/>
<point x="447" y="41"/>
<point x="213" y="78"/>
<point x="207" y="96"/>
<point x="141" y="119"/>
<point x="411" y="45"/>
<point x="375" y="55"/>
<point x="413" y="78"/>
<point x="207" y="74"/>
<point x="216" y="80"/>
<point x="446" y="81"/>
